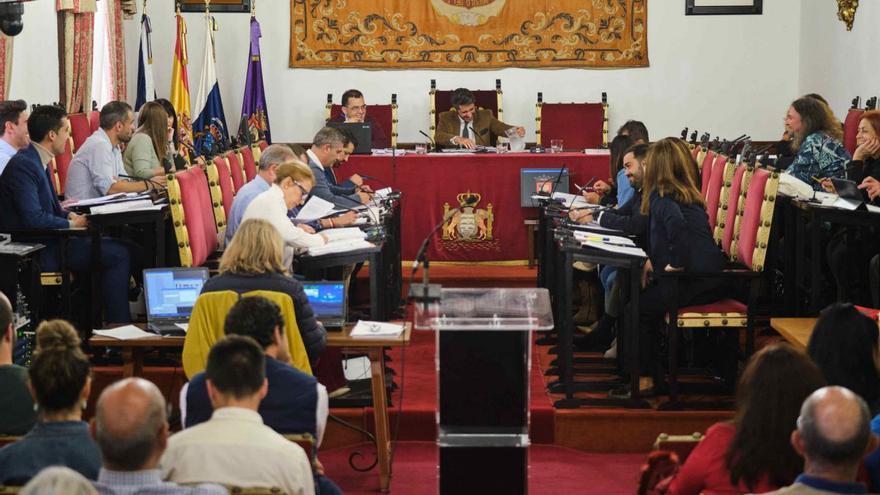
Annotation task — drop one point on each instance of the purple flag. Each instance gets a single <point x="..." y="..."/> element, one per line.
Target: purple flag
<point x="254" y="114"/>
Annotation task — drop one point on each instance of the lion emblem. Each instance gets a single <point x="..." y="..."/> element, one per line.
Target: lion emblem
<point x="468" y="223"/>
<point x="468" y="12"/>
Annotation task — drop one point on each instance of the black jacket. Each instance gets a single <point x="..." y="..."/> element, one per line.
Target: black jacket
<point x="627" y="219"/>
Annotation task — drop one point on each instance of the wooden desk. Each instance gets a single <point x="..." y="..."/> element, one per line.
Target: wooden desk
<point x="796" y="331"/>
<point x="133" y="365"/>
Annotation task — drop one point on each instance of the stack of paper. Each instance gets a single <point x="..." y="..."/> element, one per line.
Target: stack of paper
<point x="340" y="246"/>
<point x="344" y="233"/>
<point x="376" y="329"/>
<point x="128" y="332"/>
<point x="610" y="243"/>
<point x="137" y="205"/>
<point x="314" y="209"/>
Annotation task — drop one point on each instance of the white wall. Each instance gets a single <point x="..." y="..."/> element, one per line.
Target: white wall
<point x="836" y="63"/>
<point x="725" y="74"/>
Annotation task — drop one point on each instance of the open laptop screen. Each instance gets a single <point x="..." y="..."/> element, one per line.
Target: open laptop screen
<point x="326" y="298"/>
<point x="172" y="292"/>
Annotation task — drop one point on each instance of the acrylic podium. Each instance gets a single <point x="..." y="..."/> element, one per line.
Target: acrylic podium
<point x="483" y="362"/>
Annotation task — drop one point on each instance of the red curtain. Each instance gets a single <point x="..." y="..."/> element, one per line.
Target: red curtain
<point x="76" y="21"/>
<point x="116" y="38"/>
<point x="5" y="65"/>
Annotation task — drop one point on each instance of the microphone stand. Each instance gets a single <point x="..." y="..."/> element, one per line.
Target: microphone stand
<point x="425" y="292"/>
<point x="433" y="143"/>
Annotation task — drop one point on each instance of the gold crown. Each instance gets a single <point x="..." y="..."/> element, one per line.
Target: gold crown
<point x="469" y="199"/>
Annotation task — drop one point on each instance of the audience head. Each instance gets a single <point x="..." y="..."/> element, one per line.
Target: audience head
<point x="172" y="118"/>
<point x="14" y="122"/>
<point x="295" y="180"/>
<point x="353" y="105"/>
<point x="7" y="332"/>
<point x="58" y="480"/>
<point x="833" y="433"/>
<point x="327" y="145"/>
<point x="771" y="390"/>
<point x="619" y="146"/>
<point x="844" y="345"/>
<point x="261" y="320"/>
<point x="59" y="371"/>
<point x="670" y="170"/>
<point x="153" y="121"/>
<point x="636" y="130"/>
<point x="256" y="248"/>
<point x="130" y="425"/>
<point x="117" y="120"/>
<point x="298" y="151"/>
<point x="48" y="125"/>
<point x="869" y="127"/>
<point x="633" y="163"/>
<point x="272" y="156"/>
<point x="236" y="373"/>
<point x="464" y="103"/>
<point x="807" y="115"/>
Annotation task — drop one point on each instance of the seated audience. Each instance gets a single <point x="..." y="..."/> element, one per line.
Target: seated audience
<point x="146" y="154"/>
<point x="354" y="109"/>
<point x="353" y="184"/>
<point x="636" y="130"/>
<point x="131" y="428"/>
<point x="784" y="152"/>
<point x="292" y="185"/>
<point x="467" y="126"/>
<point x="328" y="147"/>
<point x="832" y="436"/>
<point x="58" y="480"/>
<point x="28" y="201"/>
<point x="60" y="382"/>
<point x="175" y="149"/>
<point x="619" y="191"/>
<point x="17" y="414"/>
<point x="753" y="453"/>
<point x="253" y="261"/>
<point x="235" y="447"/>
<point x="818" y="139"/>
<point x="14" y="137"/>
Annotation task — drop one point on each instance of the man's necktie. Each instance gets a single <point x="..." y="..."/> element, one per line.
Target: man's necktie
<point x="464" y="131"/>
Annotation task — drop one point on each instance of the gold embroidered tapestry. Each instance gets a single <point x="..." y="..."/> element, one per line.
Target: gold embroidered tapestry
<point x="468" y="34"/>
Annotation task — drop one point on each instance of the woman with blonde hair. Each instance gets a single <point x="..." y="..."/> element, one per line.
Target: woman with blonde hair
<point x="293" y="182"/>
<point x="60" y="381"/>
<point x="146" y="155"/>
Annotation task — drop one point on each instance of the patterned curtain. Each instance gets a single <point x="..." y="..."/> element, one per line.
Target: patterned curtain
<point x="5" y="65"/>
<point x="116" y="39"/>
<point x="76" y="22"/>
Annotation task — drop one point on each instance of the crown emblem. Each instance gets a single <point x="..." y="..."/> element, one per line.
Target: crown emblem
<point x="469" y="199"/>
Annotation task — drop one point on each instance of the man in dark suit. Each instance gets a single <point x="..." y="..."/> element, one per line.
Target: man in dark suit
<point x="28" y="201"/>
<point x="467" y="126"/>
<point x="354" y="110"/>
<point x="328" y="147"/>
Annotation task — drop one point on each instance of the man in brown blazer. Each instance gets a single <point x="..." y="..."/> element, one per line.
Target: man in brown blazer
<point x="466" y="126"/>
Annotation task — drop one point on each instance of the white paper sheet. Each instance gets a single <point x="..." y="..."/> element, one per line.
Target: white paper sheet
<point x="314" y="209"/>
<point x="376" y="329"/>
<point x="127" y="332"/>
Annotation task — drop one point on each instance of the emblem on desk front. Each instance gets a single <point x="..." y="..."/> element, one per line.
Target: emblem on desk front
<point x="467" y="222"/>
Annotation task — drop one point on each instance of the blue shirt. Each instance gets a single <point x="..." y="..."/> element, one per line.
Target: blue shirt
<point x="148" y="482"/>
<point x="60" y="443"/>
<point x="820" y="156"/>
<point x="625" y="190"/>
<point x="95" y="167"/>
<point x="830" y="486"/>
<point x="6" y="152"/>
<point x="245" y="195"/>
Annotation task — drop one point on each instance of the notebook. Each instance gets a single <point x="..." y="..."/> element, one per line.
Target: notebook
<point x="171" y="294"/>
<point x="328" y="301"/>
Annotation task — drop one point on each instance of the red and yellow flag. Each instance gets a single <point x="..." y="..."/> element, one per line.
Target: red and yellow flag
<point x="180" y="89"/>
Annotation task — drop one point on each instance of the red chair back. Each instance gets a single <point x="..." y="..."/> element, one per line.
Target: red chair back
<point x="80" y="129"/>
<point x="733" y="208"/>
<point x="235" y="172"/>
<point x="248" y="162"/>
<point x="695" y="151"/>
<point x="198" y="214"/>
<point x="263" y="145"/>
<point x="94" y="120"/>
<point x="753" y="237"/>
<point x="851" y="128"/>
<point x="579" y="125"/>
<point x="225" y="180"/>
<point x="713" y="191"/>
<point x="62" y="163"/>
<point x="706" y="171"/>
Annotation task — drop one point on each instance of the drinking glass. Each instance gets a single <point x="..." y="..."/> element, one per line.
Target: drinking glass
<point x="502" y="147"/>
<point x="421" y="148"/>
<point x="556" y="146"/>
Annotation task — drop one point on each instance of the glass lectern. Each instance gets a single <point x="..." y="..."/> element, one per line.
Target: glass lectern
<point x="483" y="362"/>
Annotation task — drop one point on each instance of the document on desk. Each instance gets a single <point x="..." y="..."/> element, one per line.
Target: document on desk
<point x="340" y="246"/>
<point x="314" y="209"/>
<point x="136" y="205"/>
<point x="344" y="233"/>
<point x="606" y="238"/>
<point x="376" y="329"/>
<point x="127" y="332"/>
<point x="592" y="226"/>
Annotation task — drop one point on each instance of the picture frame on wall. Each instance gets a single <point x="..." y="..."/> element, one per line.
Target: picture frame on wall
<point x="243" y="6"/>
<point x="723" y="7"/>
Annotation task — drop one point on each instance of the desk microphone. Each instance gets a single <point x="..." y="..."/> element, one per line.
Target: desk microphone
<point x="425" y="292"/>
<point x="433" y="143"/>
<point x="373" y="232"/>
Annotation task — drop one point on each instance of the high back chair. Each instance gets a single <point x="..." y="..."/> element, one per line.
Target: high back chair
<point x="94" y="120"/>
<point x="722" y="165"/>
<point x="706" y="170"/>
<point x="851" y="128"/>
<point x="579" y="125"/>
<point x="220" y="185"/>
<point x="385" y="115"/>
<point x="441" y="101"/>
<point x="206" y="328"/>
<point x="192" y="216"/>
<point x="246" y="156"/>
<point x="62" y="164"/>
<point x="236" y="172"/>
<point x="80" y="129"/>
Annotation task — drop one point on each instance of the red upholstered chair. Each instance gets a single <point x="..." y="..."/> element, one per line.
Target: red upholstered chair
<point x="706" y="170"/>
<point x="716" y="183"/>
<point x="235" y="170"/>
<point x="94" y="120"/>
<point x="263" y="145"/>
<point x="385" y="115"/>
<point x="851" y="128"/>
<point x="191" y="211"/>
<point x="220" y="184"/>
<point x="62" y="163"/>
<point x="246" y="156"/>
<point x="739" y="186"/>
<point x="579" y="125"/>
<point x="752" y="241"/>
<point x="441" y="101"/>
<point x="695" y="151"/>
<point x="53" y="176"/>
<point x="80" y="129"/>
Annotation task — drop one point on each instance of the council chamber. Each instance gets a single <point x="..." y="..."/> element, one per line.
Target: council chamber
<point x="444" y="246"/>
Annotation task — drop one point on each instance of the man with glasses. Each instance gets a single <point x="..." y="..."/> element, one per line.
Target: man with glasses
<point x="354" y="110"/>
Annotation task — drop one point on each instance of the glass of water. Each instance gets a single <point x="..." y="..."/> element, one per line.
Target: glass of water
<point x="421" y="148"/>
<point x="556" y="146"/>
<point x="502" y="147"/>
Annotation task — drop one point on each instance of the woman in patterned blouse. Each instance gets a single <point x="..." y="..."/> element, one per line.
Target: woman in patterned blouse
<point x="818" y="139"/>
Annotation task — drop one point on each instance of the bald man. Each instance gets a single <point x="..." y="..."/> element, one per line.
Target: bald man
<point x="131" y="429"/>
<point x="833" y="436"/>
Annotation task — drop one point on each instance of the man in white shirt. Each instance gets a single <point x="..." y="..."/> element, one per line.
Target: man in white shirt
<point x="234" y="447"/>
<point x="97" y="168"/>
<point x="13" y="120"/>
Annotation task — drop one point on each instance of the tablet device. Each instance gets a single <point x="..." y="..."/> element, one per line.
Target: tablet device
<point x="848" y="189"/>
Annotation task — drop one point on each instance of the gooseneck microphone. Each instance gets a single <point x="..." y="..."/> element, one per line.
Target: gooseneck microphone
<point x="433" y="143"/>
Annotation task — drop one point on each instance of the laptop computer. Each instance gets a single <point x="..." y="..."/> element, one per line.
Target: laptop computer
<point x="329" y="302"/>
<point x="362" y="133"/>
<point x="171" y="294"/>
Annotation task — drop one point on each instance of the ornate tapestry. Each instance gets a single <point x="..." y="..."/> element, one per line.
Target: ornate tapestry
<point x="468" y="34"/>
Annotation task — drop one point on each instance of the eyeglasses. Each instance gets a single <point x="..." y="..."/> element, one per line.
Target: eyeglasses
<point x="359" y="108"/>
<point x="305" y="193"/>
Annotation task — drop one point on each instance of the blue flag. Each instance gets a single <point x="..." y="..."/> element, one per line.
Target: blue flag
<point x="210" y="134"/>
<point x="146" y="89"/>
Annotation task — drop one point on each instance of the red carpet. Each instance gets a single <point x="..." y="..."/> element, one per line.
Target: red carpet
<point x="553" y="470"/>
